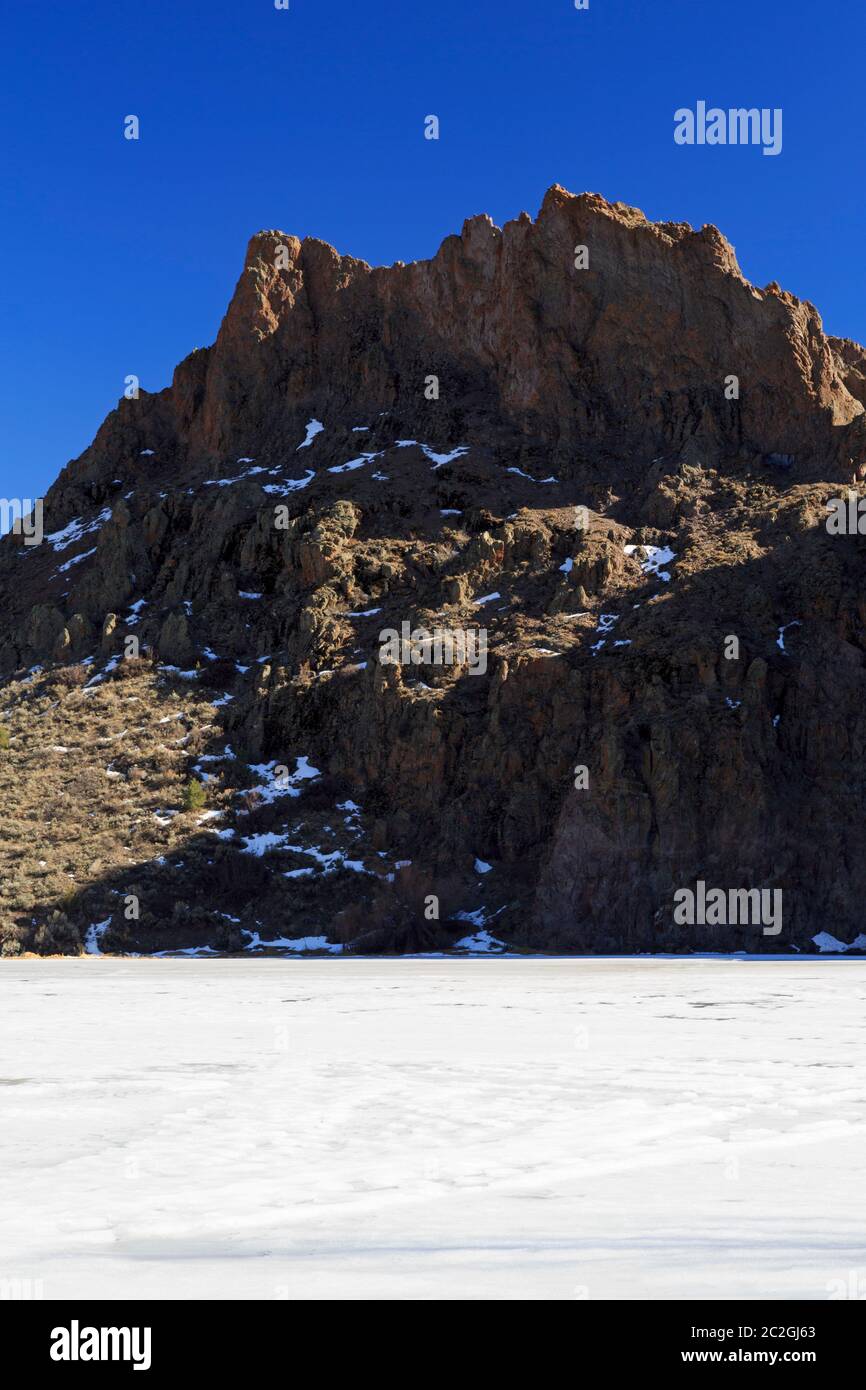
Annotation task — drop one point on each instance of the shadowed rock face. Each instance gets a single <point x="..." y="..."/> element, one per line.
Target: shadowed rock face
<point x="605" y="388"/>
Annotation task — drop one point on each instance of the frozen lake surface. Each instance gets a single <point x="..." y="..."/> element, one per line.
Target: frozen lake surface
<point x="442" y="1128"/>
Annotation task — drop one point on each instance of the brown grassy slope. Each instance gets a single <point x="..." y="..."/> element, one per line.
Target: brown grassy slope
<point x="94" y="780"/>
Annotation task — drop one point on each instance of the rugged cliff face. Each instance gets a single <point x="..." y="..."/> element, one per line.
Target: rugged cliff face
<point x="587" y="436"/>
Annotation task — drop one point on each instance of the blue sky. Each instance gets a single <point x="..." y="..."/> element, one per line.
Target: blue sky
<point x="120" y="256"/>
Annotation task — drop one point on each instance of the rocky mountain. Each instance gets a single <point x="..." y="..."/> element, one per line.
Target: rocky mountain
<point x="586" y="455"/>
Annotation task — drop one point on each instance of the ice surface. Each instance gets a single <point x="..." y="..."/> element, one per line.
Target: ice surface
<point x="314" y="427"/>
<point x="439" y="460"/>
<point x="656" y="556"/>
<point x="270" y="788"/>
<point x="780" y="640"/>
<point x="263" y="843"/>
<point x="432" y="1129"/>
<point x="228" y="482"/>
<point x="287" y="943"/>
<point x="354" y="463"/>
<point x="481" y="942"/>
<point x="94" y="935"/>
<point x="520" y="473"/>
<point x="76" y="560"/>
<point x="827" y="943"/>
<point x="289" y="484"/>
<point x="77" y="528"/>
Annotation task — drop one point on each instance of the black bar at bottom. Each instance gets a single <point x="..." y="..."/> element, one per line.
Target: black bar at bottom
<point x="152" y="1338"/>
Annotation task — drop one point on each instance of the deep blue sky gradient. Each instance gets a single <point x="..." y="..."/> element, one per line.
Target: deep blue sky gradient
<point x="120" y="257"/>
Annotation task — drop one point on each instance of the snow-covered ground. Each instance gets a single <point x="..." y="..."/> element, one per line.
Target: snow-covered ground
<point x="432" y="1128"/>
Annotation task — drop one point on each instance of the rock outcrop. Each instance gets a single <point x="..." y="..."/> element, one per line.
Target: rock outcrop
<point x="586" y="435"/>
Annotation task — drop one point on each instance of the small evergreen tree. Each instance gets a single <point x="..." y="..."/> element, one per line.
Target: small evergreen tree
<point x="193" y="795"/>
